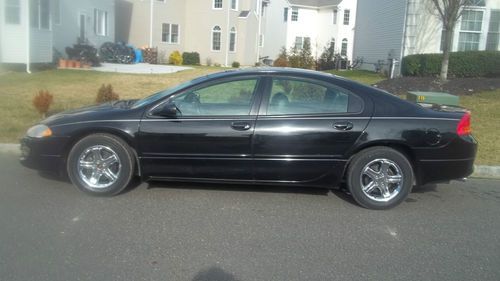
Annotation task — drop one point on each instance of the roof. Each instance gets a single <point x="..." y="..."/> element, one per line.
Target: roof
<point x="314" y="3"/>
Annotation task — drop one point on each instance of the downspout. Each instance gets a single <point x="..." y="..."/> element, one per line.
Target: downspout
<point x="151" y="24"/>
<point x="227" y="35"/>
<point x="28" y="38"/>
<point x="259" y="30"/>
<point x="403" y="43"/>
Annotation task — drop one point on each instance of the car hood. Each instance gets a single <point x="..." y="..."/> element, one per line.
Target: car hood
<point x="104" y="111"/>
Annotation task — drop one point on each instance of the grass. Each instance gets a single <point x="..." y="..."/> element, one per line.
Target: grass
<point x="73" y="88"/>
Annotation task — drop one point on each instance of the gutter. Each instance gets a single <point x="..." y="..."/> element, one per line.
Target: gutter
<point x="151" y="23"/>
<point x="228" y="41"/>
<point x="28" y="38"/>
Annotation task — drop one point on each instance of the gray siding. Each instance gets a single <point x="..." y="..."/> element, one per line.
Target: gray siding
<point x="379" y="31"/>
<point x="41" y="46"/>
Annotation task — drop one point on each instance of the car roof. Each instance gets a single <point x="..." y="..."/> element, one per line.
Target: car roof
<point x="271" y="70"/>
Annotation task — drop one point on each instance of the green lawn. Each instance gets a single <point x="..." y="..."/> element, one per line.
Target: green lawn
<point x="73" y="88"/>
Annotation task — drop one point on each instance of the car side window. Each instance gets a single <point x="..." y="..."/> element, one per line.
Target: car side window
<point x="295" y="96"/>
<point x="227" y="98"/>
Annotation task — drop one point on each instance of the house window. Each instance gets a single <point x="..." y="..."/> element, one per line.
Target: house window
<point x="335" y="13"/>
<point x="216" y="38"/>
<point x="100" y="22"/>
<point x="217" y="4"/>
<point x="40" y="14"/>
<point x="295" y="14"/>
<point x="343" y="50"/>
<point x="56" y="11"/>
<point x="347" y="14"/>
<point x="232" y="40"/>
<point x="494" y="31"/>
<point x="298" y="43"/>
<point x="234" y="5"/>
<point x="12" y="12"/>
<point x="285" y="14"/>
<point x="170" y="33"/>
<point x="470" y="30"/>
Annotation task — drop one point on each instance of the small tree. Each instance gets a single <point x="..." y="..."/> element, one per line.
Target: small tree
<point x="327" y="58"/>
<point x="175" y="58"/>
<point x="106" y="94"/>
<point x="306" y="59"/>
<point x="293" y="57"/>
<point x="42" y="102"/>
<point x="448" y="11"/>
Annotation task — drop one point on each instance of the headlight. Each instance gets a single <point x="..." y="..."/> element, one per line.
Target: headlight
<point x="39" y="131"/>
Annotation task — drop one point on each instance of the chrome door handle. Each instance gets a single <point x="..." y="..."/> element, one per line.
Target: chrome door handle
<point x="343" y="126"/>
<point x="240" y="126"/>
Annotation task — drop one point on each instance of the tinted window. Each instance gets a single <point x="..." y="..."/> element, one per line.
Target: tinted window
<point x="229" y="98"/>
<point x="294" y="96"/>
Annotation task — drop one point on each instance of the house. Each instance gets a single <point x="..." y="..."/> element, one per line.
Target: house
<point x="221" y="31"/>
<point x="389" y="30"/>
<point x="32" y="30"/>
<point x="290" y="23"/>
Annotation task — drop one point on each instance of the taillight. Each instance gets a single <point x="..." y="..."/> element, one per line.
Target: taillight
<point x="463" y="127"/>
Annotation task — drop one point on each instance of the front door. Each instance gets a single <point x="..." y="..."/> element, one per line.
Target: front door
<point x="210" y="139"/>
<point x="304" y="129"/>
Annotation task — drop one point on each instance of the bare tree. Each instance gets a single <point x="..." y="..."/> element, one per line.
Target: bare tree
<point x="449" y="11"/>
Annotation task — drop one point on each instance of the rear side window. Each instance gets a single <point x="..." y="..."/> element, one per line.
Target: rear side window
<point x="296" y="96"/>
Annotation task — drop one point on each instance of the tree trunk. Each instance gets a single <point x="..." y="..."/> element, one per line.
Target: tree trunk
<point x="446" y="52"/>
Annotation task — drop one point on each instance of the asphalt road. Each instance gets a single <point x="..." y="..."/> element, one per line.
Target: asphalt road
<point x="171" y="231"/>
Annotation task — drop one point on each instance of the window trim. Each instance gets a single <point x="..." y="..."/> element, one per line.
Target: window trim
<point x="347" y="15"/>
<point x="264" y="104"/>
<point x="296" y="12"/>
<point x="335" y="15"/>
<point x="39" y="13"/>
<point x="233" y="31"/>
<point x="19" y="16"/>
<point x="212" y="31"/>
<point x="236" y="5"/>
<point x="96" y="23"/>
<point x="169" y="36"/>
<point x="346" y="41"/>
<point x="221" y="4"/>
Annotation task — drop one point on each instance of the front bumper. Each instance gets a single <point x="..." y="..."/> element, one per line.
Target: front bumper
<point x="43" y="154"/>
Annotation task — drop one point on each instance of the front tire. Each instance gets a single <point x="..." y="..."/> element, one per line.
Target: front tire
<point x="100" y="165"/>
<point x="380" y="178"/>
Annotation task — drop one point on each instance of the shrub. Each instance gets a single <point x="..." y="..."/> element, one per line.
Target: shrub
<point x="42" y="102"/>
<point x="106" y="93"/>
<point x="461" y="64"/>
<point x="282" y="60"/>
<point x="175" y="58"/>
<point x="235" y="64"/>
<point x="192" y="58"/>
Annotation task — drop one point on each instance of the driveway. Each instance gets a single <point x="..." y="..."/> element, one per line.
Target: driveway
<point x="172" y="231"/>
<point x="140" y="68"/>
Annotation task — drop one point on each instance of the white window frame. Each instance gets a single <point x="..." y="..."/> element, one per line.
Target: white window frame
<point x="335" y="15"/>
<point x="99" y="30"/>
<point x="214" y="2"/>
<point x="213" y="31"/>
<point x="342" y="51"/>
<point x="170" y="33"/>
<point x="231" y="33"/>
<point x="38" y="25"/>
<point x="478" y="33"/>
<point x="347" y="16"/>
<point x="295" y="11"/>
<point x="234" y="5"/>
<point x="18" y="7"/>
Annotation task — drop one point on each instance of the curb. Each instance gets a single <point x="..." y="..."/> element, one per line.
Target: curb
<point x="480" y="171"/>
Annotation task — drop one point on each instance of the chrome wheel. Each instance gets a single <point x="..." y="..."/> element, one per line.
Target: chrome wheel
<point x="99" y="166"/>
<point x="381" y="180"/>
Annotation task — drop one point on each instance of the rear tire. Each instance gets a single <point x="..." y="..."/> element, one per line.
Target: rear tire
<point x="380" y="178"/>
<point x="100" y="165"/>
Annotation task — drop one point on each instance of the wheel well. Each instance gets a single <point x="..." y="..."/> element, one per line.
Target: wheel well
<point x="74" y="139"/>
<point x="404" y="149"/>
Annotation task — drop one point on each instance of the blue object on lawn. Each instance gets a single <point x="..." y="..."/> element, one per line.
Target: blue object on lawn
<point x="138" y="55"/>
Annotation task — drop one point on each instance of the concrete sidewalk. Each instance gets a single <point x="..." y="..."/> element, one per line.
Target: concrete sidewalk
<point x="139" y="68"/>
<point x="480" y="171"/>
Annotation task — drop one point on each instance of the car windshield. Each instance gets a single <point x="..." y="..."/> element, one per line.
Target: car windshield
<point x="162" y="94"/>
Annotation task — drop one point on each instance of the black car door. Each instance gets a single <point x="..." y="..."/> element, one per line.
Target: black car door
<point x="211" y="136"/>
<point x="304" y="129"/>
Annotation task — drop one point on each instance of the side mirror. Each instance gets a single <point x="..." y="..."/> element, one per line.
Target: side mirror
<point x="167" y="110"/>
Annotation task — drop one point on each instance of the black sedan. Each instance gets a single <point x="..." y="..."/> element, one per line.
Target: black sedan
<point x="259" y="126"/>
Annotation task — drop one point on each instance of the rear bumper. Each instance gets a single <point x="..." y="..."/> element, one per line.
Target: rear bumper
<point x="42" y="154"/>
<point x="444" y="170"/>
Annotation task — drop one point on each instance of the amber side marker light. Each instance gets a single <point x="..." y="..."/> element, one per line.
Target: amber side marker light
<point x="463" y="127"/>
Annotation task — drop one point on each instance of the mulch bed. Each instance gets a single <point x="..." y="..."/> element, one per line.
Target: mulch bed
<point x="456" y="86"/>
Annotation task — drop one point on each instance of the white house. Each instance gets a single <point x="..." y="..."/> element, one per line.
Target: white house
<point x="31" y="30"/>
<point x="292" y="22"/>
<point x="393" y="29"/>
